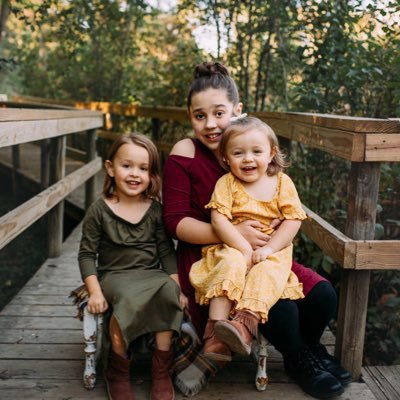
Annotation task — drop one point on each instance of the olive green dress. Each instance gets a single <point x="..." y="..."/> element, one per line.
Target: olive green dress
<point x="132" y="262"/>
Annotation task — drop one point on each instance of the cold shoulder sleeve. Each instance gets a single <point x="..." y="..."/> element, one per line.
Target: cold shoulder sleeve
<point x="289" y="201"/>
<point x="222" y="197"/>
<point x="176" y="191"/>
<point x="88" y="249"/>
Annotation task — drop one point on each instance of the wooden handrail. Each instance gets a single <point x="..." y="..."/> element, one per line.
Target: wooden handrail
<point x="352" y="138"/>
<point x="20" y="218"/>
<point x="21" y="126"/>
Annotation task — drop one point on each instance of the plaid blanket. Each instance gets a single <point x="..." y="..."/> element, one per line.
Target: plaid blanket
<point x="190" y="369"/>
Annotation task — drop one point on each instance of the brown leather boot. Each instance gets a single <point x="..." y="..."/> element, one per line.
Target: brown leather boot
<point x="162" y="387"/>
<point x="238" y="333"/>
<point x="213" y="348"/>
<point x="117" y="378"/>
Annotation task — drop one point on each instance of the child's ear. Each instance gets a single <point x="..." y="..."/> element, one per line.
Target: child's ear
<point x="237" y="110"/>
<point x="225" y="161"/>
<point x="273" y="153"/>
<point x="109" y="168"/>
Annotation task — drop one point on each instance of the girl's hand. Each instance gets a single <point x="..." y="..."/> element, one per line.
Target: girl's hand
<point x="97" y="303"/>
<point x="261" y="254"/>
<point x="250" y="231"/>
<point x="183" y="300"/>
<point x="274" y="224"/>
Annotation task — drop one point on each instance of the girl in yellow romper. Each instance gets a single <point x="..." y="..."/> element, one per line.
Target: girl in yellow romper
<point x="250" y="282"/>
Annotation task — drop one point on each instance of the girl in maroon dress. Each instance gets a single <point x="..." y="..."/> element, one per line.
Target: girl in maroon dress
<point x="190" y="174"/>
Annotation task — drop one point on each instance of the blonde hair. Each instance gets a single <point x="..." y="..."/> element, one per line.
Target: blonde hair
<point x="241" y="125"/>
<point x="154" y="188"/>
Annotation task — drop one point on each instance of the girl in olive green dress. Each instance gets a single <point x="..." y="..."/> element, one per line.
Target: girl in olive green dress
<point x="128" y="264"/>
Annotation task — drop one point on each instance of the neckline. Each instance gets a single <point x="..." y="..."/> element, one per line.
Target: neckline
<point x="116" y="216"/>
<point x="278" y="186"/>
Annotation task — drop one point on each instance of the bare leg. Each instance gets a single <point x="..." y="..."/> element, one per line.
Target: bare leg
<point x="163" y="340"/>
<point x="117" y="341"/>
<point x="220" y="308"/>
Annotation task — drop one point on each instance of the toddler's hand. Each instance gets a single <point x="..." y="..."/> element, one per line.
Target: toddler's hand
<point x="261" y="254"/>
<point x="248" y="257"/>
<point x="97" y="303"/>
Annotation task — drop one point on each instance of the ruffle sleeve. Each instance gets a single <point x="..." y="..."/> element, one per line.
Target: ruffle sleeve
<point x="222" y="197"/>
<point x="289" y="201"/>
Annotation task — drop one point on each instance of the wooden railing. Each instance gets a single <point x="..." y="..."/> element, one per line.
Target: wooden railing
<point x="50" y="126"/>
<point x="365" y="142"/>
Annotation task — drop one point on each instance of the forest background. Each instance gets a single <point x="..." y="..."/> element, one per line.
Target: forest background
<point x="335" y="56"/>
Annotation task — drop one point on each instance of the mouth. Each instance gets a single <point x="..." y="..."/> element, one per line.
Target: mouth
<point x="213" y="136"/>
<point x="248" y="169"/>
<point x="133" y="183"/>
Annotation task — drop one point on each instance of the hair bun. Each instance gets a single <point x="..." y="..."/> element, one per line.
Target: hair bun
<point x="209" y="68"/>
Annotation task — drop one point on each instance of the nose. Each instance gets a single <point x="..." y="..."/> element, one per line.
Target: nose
<point x="211" y="123"/>
<point x="134" y="172"/>
<point x="248" y="157"/>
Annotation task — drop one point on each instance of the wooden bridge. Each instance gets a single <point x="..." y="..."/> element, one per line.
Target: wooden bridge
<point x="41" y="346"/>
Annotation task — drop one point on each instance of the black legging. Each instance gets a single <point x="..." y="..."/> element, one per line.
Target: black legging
<point x="293" y="323"/>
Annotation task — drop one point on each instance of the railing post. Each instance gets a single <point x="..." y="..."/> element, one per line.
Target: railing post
<point x="90" y="186"/>
<point x="45" y="163"/>
<point x="354" y="287"/>
<point x="56" y="215"/>
<point x="155" y="129"/>
<point x="16" y="161"/>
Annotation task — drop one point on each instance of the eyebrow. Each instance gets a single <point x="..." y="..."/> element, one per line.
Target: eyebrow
<point x="213" y="105"/>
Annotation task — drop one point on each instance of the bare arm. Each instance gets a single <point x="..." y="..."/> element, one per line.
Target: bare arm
<point x="194" y="231"/>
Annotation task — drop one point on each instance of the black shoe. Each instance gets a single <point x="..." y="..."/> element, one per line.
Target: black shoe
<point x="309" y="375"/>
<point x="330" y="364"/>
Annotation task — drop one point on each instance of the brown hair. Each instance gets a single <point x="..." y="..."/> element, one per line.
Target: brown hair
<point x="153" y="191"/>
<point x="212" y="75"/>
<point x="242" y="125"/>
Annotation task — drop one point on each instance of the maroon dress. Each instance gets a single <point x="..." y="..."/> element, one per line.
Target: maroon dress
<point x="187" y="187"/>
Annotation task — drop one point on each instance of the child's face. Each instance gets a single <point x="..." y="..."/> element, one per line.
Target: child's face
<point x="130" y="170"/>
<point x="248" y="155"/>
<point x="210" y="113"/>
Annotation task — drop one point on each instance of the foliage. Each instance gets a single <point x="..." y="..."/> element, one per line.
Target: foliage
<point x="383" y="320"/>
<point x="350" y="59"/>
<point x="103" y="50"/>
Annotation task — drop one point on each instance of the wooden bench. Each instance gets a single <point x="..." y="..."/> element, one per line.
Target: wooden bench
<point x="92" y="333"/>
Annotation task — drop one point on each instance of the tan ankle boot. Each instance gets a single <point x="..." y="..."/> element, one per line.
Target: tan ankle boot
<point x="162" y="386"/>
<point x="213" y="348"/>
<point x="238" y="333"/>
<point x="117" y="378"/>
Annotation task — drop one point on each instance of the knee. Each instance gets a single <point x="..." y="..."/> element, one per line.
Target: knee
<point x="324" y="295"/>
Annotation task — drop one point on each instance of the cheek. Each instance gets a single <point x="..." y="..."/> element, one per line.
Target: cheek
<point x="225" y="123"/>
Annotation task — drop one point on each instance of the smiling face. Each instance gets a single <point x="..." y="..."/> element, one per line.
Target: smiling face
<point x="210" y="112"/>
<point x="248" y="154"/>
<point x="130" y="170"/>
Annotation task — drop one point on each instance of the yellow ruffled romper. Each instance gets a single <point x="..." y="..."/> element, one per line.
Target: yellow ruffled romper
<point x="222" y="269"/>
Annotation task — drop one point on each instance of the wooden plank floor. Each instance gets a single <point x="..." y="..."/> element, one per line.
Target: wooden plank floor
<point x="41" y="348"/>
<point x="383" y="380"/>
